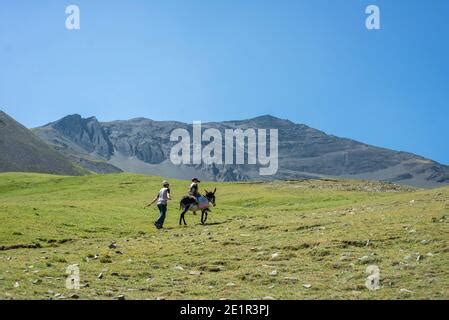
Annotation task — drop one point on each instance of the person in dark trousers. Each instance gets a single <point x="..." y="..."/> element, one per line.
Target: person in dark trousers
<point x="162" y="199"/>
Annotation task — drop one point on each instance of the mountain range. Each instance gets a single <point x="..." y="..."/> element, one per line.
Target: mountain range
<point x="142" y="145"/>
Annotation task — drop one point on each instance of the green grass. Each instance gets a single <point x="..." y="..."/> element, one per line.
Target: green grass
<point x="325" y="234"/>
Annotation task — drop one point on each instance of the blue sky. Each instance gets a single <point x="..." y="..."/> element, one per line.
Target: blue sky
<point x="312" y="62"/>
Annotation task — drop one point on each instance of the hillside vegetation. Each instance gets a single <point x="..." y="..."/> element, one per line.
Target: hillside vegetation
<point x="23" y="151"/>
<point x="283" y="240"/>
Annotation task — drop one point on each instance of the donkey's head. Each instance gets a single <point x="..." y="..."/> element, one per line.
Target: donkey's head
<point x="211" y="196"/>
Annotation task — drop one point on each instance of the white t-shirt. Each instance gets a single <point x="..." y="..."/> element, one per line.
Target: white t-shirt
<point x="163" y="196"/>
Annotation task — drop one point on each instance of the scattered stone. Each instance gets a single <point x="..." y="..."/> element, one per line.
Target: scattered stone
<point x="16" y="284"/>
<point x="275" y="256"/>
<point x="195" y="273"/>
<point x="274" y="273"/>
<point x="100" y="276"/>
<point x="367" y="259"/>
<point x="179" y="268"/>
<point x="108" y="293"/>
<point x="121" y="297"/>
<point x="405" y="291"/>
<point x="344" y="257"/>
<point x="112" y="245"/>
<point x="74" y="296"/>
<point x="307" y="285"/>
<point x="37" y="281"/>
<point x="215" y="268"/>
<point x="230" y="284"/>
<point x="291" y="279"/>
<point x="268" y="298"/>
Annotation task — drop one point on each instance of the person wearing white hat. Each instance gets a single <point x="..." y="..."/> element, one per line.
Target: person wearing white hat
<point x="162" y="199"/>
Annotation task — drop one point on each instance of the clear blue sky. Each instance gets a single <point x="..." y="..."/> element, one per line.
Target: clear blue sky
<point x="312" y="62"/>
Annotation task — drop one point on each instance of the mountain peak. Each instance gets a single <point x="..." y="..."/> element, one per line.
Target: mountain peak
<point x="77" y="118"/>
<point x="268" y="119"/>
<point x="71" y="117"/>
<point x="87" y="132"/>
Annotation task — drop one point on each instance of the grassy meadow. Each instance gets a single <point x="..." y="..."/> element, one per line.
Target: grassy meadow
<point x="280" y="240"/>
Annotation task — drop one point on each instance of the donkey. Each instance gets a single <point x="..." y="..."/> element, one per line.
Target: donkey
<point x="189" y="203"/>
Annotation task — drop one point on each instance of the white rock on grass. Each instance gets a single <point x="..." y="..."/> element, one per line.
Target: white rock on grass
<point x="275" y="256"/>
<point x="405" y="291"/>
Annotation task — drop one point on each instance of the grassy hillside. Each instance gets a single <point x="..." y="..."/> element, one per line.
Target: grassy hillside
<point x="290" y="240"/>
<point x="22" y="151"/>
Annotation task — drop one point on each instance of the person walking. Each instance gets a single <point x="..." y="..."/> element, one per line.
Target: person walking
<point x="162" y="200"/>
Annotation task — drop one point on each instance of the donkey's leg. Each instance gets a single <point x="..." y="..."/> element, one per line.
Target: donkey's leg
<point x="181" y="217"/>
<point x="202" y="216"/>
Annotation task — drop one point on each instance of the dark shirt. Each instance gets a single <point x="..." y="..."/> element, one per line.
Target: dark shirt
<point x="193" y="189"/>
